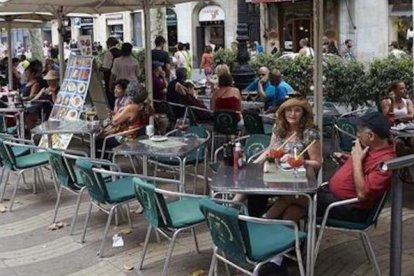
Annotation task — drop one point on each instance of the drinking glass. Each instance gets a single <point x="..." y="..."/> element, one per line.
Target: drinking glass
<point x="276" y="154"/>
<point x="90" y="112"/>
<point x="296" y="162"/>
<point x="182" y="125"/>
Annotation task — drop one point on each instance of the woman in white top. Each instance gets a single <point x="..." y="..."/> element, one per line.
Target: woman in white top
<point x="179" y="55"/>
<point x="304" y="48"/>
<point x="396" y="107"/>
<point x="125" y="66"/>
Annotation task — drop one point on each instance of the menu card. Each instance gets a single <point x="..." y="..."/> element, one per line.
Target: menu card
<point x="71" y="97"/>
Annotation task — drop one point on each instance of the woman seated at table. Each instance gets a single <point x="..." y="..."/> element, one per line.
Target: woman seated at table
<point x="46" y="96"/>
<point x="32" y="87"/>
<point x="180" y="92"/>
<point x="294" y="123"/>
<point x="121" y="99"/>
<point x="396" y="106"/>
<point x="399" y="109"/>
<point x="226" y="96"/>
<point x="133" y="116"/>
<point x="212" y="80"/>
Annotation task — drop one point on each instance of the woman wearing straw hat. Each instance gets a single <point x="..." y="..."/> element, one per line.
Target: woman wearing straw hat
<point x="43" y="100"/>
<point x="52" y="89"/>
<point x="295" y="133"/>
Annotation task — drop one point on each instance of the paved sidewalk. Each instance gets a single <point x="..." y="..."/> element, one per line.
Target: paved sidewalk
<point x="28" y="248"/>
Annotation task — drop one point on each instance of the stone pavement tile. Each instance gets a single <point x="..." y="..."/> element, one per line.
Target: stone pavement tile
<point x="7" y="272"/>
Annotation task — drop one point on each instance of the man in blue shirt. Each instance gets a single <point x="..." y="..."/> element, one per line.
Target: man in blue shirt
<point x="262" y="84"/>
<point x="282" y="90"/>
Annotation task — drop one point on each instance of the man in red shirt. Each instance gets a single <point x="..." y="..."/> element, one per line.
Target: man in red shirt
<point x="359" y="176"/>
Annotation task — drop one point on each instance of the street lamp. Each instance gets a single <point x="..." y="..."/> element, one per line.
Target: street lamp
<point x="242" y="72"/>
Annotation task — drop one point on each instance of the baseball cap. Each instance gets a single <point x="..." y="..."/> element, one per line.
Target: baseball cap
<point x="156" y="64"/>
<point x="375" y="121"/>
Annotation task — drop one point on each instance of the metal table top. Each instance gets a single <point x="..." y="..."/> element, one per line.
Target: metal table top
<point x="180" y="147"/>
<point x="61" y="127"/>
<point x="250" y="180"/>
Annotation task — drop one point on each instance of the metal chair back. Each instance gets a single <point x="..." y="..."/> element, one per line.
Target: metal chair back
<point x="225" y="122"/>
<point x="255" y="144"/>
<point x="7" y="157"/>
<point x="95" y="185"/>
<point x="223" y="223"/>
<point x="253" y="123"/>
<point x="346" y="132"/>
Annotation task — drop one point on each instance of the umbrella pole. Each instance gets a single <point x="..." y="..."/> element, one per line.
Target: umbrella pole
<point x="59" y="16"/>
<point x="10" y="55"/>
<point x="148" y="55"/>
<point x="317" y="66"/>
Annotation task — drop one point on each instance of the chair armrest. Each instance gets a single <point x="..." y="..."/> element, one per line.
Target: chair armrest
<point x="344" y="132"/>
<point x="336" y="204"/>
<point x="242" y="207"/>
<point x="124" y="174"/>
<point x="324" y="183"/>
<point x="254" y="156"/>
<point x="8" y="137"/>
<point x="354" y="112"/>
<point x="113" y="135"/>
<point x="270" y="221"/>
<point x="95" y="161"/>
<point x="29" y="146"/>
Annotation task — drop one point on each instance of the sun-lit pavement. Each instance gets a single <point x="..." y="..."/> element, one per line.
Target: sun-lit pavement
<point x="27" y="247"/>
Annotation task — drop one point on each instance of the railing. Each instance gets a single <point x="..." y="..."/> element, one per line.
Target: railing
<point x="396" y="209"/>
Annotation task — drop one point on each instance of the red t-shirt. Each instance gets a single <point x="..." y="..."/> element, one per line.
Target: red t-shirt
<point x="377" y="182"/>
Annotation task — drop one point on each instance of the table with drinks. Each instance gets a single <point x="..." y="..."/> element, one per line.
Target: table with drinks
<point x="272" y="179"/>
<point x="173" y="147"/>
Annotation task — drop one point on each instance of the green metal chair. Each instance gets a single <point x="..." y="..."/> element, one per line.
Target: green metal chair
<point x="107" y="196"/>
<point x="66" y="178"/>
<point x="194" y="158"/>
<point x="167" y="218"/>
<point x="241" y="240"/>
<point x="224" y="124"/>
<point x="253" y="146"/>
<point x="360" y="228"/>
<point x="346" y="133"/>
<point x="3" y="126"/>
<point x="20" y="163"/>
<point x="253" y="123"/>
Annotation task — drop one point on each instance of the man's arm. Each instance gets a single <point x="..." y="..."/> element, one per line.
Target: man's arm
<point x="260" y="91"/>
<point x="358" y="154"/>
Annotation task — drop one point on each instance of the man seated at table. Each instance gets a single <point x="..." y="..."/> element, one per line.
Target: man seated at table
<point x="282" y="90"/>
<point x="359" y="176"/>
<point x="268" y="90"/>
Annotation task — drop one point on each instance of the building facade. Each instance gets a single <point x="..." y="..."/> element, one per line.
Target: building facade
<point x="370" y="24"/>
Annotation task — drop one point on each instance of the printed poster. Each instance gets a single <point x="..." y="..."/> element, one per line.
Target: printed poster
<point x="71" y="98"/>
<point x="85" y="45"/>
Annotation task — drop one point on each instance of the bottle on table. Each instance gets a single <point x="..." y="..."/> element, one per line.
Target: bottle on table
<point x="238" y="156"/>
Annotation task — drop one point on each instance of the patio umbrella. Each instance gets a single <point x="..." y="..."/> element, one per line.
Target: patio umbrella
<point x="61" y="8"/>
<point x="20" y="20"/>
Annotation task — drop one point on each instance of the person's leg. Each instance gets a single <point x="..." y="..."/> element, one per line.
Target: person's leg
<point x="279" y="207"/>
<point x="294" y="212"/>
<point x="257" y="204"/>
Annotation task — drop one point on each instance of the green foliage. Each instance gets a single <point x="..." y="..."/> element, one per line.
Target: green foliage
<point x="345" y="82"/>
<point x="226" y="56"/>
<point x="383" y="71"/>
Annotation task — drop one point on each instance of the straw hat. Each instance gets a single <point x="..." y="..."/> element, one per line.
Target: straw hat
<point x="295" y="102"/>
<point x="51" y="75"/>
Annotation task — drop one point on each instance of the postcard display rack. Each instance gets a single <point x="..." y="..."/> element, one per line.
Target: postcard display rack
<point x="71" y="98"/>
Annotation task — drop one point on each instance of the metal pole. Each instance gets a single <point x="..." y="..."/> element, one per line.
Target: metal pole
<point x="396" y="225"/>
<point x="10" y="55"/>
<point x="148" y="55"/>
<point x="60" y="46"/>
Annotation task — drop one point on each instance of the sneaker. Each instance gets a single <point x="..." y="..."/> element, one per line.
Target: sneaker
<point x="272" y="269"/>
